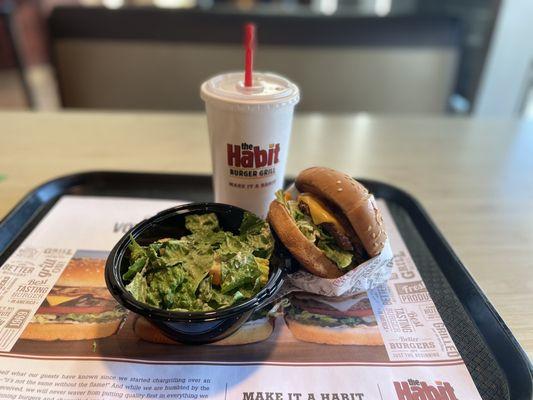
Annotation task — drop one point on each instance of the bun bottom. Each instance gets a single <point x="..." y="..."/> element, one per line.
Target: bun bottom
<point x="361" y="335"/>
<point x="251" y="332"/>
<point x="78" y="331"/>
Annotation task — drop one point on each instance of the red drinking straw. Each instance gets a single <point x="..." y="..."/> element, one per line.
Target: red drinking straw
<point x="249" y="44"/>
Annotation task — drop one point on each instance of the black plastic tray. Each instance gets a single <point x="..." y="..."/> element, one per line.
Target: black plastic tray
<point x="499" y="367"/>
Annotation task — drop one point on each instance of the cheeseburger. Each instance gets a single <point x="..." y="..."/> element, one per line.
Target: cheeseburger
<point x="78" y="307"/>
<point x="338" y="320"/>
<point x="332" y="226"/>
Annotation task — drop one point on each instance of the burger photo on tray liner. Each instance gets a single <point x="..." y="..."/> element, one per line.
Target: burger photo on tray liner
<point x="331" y="225"/>
<point x="258" y="328"/>
<point x="79" y="306"/>
<point x="332" y="320"/>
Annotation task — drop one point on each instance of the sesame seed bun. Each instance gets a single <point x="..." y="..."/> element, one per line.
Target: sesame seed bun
<point x="360" y="335"/>
<point x="83" y="272"/>
<point x="352" y="199"/>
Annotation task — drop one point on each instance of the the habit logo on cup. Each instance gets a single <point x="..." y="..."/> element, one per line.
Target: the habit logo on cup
<point x="250" y="161"/>
<point x="249" y="156"/>
<point x="414" y="389"/>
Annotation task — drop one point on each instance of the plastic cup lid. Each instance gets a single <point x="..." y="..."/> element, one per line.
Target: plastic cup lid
<point x="267" y="89"/>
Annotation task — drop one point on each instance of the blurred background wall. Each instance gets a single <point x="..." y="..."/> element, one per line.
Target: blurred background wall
<point x="381" y="56"/>
<point x="506" y="86"/>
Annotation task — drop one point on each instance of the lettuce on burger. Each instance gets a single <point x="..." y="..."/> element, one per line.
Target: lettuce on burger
<point x="333" y="226"/>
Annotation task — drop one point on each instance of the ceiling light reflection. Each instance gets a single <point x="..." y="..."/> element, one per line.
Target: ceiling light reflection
<point x="175" y="3"/>
<point x="382" y="7"/>
<point x="113" y="4"/>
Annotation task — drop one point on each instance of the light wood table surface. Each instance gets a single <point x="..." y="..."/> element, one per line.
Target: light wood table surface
<point x="475" y="178"/>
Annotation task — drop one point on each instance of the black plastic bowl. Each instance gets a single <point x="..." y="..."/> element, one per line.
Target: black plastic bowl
<point x="190" y="327"/>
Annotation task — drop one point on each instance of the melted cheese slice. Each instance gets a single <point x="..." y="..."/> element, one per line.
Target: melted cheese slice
<point x="319" y="211"/>
<point x="56" y="300"/>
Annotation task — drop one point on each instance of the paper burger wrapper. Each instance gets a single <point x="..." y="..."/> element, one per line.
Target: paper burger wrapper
<point x="366" y="276"/>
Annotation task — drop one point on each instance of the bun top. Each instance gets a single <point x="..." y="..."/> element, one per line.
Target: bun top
<point x="83" y="272"/>
<point x="352" y="199"/>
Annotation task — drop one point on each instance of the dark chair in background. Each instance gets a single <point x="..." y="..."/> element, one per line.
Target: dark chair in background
<point x="149" y="58"/>
<point x="26" y="79"/>
<point x="13" y="82"/>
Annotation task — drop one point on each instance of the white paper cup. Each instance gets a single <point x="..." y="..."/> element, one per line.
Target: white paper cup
<point x="249" y="132"/>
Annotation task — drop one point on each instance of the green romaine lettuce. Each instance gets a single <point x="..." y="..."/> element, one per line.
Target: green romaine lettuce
<point x="280" y="197"/>
<point x="303" y="222"/>
<point x="317" y="235"/>
<point x="138" y="287"/>
<point x="342" y="258"/>
<point x="136" y="267"/>
<point x="176" y="274"/>
<point x="136" y="250"/>
<point x="241" y="270"/>
<point x="256" y="233"/>
<point x="164" y="283"/>
<point x="202" y="223"/>
<point x="173" y="252"/>
<point x="251" y="224"/>
<point x="197" y="268"/>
